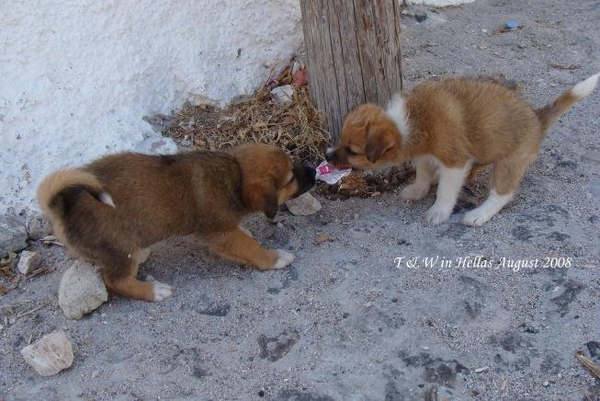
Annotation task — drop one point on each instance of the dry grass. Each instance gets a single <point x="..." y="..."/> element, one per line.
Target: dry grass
<point x="295" y="126"/>
<point x="364" y="185"/>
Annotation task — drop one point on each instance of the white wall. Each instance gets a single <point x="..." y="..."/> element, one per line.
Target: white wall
<point x="77" y="76"/>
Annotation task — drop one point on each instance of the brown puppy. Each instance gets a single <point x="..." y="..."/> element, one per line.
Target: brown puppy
<point x="448" y="127"/>
<point x="111" y="210"/>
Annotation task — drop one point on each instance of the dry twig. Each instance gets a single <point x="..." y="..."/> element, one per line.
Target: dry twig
<point x="588" y="364"/>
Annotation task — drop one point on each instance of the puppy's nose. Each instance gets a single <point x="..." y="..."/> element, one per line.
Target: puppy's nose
<point x="306" y="177"/>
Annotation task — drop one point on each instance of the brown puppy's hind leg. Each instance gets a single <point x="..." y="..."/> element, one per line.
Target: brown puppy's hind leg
<point x="122" y="279"/>
<point x="238" y="246"/>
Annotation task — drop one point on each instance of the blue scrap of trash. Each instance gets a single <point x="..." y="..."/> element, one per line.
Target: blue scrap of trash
<point x="512" y="24"/>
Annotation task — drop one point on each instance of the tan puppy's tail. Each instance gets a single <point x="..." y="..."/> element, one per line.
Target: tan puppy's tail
<point x="548" y="114"/>
<point x="59" y="191"/>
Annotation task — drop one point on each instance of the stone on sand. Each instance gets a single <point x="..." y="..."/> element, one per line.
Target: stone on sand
<point x="81" y="290"/>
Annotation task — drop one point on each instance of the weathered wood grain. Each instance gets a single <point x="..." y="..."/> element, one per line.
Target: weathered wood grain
<point x="354" y="57"/>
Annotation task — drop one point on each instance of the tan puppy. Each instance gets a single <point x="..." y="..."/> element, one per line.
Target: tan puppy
<point x="111" y="210"/>
<point x="448" y="127"/>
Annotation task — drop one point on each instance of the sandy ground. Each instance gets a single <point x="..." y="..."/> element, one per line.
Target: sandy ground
<point x="350" y="320"/>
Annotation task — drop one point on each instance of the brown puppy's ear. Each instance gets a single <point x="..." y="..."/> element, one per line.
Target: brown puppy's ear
<point x="270" y="205"/>
<point x="378" y="142"/>
<point x="261" y="196"/>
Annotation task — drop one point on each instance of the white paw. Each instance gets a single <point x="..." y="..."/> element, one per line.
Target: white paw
<point x="492" y="205"/>
<point x="414" y="192"/>
<point x="284" y="259"/>
<point x="436" y="215"/>
<point x="476" y="217"/>
<point x="161" y="291"/>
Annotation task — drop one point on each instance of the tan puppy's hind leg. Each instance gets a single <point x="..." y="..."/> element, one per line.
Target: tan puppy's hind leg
<point x="506" y="178"/>
<point x="492" y="205"/>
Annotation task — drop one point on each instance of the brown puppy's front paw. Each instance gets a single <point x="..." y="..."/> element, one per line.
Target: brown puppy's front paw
<point x="283" y="259"/>
<point x="161" y="291"/>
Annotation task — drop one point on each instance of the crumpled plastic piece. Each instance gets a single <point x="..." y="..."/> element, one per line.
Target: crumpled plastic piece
<point x="328" y="173"/>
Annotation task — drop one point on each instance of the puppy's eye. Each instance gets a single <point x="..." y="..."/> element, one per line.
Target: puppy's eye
<point x="351" y="152"/>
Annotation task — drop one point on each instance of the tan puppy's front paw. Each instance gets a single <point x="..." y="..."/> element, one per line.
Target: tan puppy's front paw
<point x="161" y="291"/>
<point x="414" y="192"/>
<point x="283" y="259"/>
<point x="475" y="218"/>
<point x="436" y="215"/>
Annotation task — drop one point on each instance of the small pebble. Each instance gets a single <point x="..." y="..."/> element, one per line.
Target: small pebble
<point x="420" y="17"/>
<point x="303" y="205"/>
<point x="28" y="262"/>
<point x="49" y="355"/>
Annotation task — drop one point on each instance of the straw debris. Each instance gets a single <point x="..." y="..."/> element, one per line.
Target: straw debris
<point x="295" y="126"/>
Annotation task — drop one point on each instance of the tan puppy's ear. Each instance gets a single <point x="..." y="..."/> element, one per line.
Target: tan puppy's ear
<point x="378" y="142"/>
<point x="261" y="196"/>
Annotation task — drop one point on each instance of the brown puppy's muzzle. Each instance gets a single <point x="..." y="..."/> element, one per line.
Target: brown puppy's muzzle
<point x="306" y="178"/>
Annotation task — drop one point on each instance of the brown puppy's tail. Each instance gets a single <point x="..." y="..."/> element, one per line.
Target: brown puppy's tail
<point x="548" y="114"/>
<point x="57" y="193"/>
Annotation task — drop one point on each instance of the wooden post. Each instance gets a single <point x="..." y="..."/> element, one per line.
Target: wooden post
<point x="353" y="49"/>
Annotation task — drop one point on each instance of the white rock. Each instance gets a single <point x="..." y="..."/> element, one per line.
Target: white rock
<point x="13" y="235"/>
<point x="303" y="205"/>
<point x="81" y="290"/>
<point x="49" y="355"/>
<point x="38" y="226"/>
<point x="28" y="262"/>
<point x="157" y="145"/>
<point x="282" y="94"/>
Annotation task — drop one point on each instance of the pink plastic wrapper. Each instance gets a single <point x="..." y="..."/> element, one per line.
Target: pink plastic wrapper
<point x="328" y="173"/>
